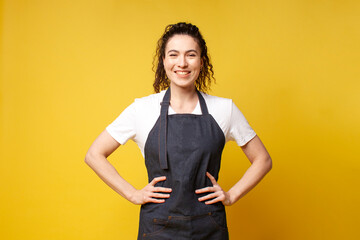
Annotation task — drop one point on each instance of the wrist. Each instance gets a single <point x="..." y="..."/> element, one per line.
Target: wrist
<point x="130" y="194"/>
<point x="232" y="197"/>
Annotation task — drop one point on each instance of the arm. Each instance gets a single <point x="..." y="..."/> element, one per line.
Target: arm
<point x="261" y="164"/>
<point x="96" y="158"/>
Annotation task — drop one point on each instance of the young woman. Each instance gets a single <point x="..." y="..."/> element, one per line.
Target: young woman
<point x="181" y="131"/>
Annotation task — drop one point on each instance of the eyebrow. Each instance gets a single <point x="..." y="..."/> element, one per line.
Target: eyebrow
<point x="191" y="50"/>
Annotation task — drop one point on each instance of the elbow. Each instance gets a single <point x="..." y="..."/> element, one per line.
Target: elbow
<point x="88" y="158"/>
<point x="268" y="163"/>
<point x="92" y="158"/>
<point x="264" y="163"/>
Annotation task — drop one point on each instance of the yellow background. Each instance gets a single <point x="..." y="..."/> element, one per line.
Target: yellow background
<point x="69" y="67"/>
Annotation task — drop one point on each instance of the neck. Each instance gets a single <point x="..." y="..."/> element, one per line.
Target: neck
<point x="183" y="99"/>
<point x="181" y="94"/>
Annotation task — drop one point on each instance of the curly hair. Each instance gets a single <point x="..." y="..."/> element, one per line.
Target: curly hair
<point x="206" y="74"/>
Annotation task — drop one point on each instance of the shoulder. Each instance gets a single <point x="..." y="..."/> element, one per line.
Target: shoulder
<point x="150" y="102"/>
<point x="155" y="97"/>
<point x="220" y="109"/>
<point x="217" y="105"/>
<point x="230" y="119"/>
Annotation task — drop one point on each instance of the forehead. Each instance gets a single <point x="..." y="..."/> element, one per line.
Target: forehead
<point x="182" y="43"/>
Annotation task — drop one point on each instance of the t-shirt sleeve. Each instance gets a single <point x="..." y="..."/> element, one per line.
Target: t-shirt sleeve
<point x="239" y="129"/>
<point x="123" y="127"/>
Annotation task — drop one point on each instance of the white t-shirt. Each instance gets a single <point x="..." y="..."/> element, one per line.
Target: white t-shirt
<point x="137" y="120"/>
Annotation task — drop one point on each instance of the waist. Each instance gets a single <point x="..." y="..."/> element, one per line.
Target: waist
<point x="182" y="206"/>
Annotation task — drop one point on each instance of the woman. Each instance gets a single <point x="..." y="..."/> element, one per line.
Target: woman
<point x="181" y="132"/>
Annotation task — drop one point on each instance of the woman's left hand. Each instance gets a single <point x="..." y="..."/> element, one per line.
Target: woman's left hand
<point x="216" y="193"/>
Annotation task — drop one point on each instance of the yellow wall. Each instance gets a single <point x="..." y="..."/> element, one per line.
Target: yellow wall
<point x="69" y="67"/>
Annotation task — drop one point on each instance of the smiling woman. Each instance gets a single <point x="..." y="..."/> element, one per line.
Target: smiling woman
<point x="177" y="31"/>
<point x="181" y="132"/>
<point x="182" y="61"/>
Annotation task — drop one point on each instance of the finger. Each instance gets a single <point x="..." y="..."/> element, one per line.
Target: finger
<point x="215" y="200"/>
<point x="157" y="179"/>
<point x="159" y="195"/>
<point x="161" y="189"/>
<point x="154" y="200"/>
<point x="206" y="189"/>
<point x="212" y="179"/>
<point x="209" y="196"/>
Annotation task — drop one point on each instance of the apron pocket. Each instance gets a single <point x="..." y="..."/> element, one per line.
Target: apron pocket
<point x="219" y="220"/>
<point x="157" y="226"/>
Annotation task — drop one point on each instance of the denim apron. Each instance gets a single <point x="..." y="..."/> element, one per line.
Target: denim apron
<point x="183" y="147"/>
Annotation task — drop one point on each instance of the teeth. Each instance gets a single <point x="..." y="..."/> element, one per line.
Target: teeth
<point x="182" y="73"/>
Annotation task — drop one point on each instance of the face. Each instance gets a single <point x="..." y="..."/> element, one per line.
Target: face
<point x="182" y="61"/>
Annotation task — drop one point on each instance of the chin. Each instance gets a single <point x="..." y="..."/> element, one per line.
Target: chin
<point x="183" y="85"/>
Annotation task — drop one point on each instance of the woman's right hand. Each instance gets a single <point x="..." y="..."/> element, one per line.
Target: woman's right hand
<point x="150" y="193"/>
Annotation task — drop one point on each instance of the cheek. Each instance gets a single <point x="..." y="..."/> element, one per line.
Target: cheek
<point x="197" y="64"/>
<point x="167" y="65"/>
<point x="167" y="68"/>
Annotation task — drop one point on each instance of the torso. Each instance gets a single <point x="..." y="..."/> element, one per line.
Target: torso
<point x="183" y="147"/>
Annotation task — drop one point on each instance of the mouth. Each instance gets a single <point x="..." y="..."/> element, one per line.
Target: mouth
<point x="182" y="73"/>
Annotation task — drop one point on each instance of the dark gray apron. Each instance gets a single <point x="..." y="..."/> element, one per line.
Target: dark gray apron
<point x="183" y="147"/>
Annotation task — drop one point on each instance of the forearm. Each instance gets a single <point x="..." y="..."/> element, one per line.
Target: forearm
<point x="106" y="171"/>
<point x="250" y="179"/>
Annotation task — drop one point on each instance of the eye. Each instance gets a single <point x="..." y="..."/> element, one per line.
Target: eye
<point x="172" y="55"/>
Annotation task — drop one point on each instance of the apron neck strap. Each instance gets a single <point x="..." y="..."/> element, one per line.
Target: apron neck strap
<point x="166" y="102"/>
<point x="163" y="130"/>
<point x="203" y="106"/>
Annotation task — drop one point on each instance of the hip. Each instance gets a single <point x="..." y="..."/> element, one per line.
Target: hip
<point x="210" y="225"/>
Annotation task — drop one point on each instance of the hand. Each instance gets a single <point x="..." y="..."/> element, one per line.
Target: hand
<point x="150" y="193"/>
<point x="217" y="194"/>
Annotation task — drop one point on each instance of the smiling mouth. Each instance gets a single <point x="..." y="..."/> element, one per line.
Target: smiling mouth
<point x="182" y="72"/>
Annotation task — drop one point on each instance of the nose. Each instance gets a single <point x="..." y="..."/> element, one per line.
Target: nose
<point x="182" y="61"/>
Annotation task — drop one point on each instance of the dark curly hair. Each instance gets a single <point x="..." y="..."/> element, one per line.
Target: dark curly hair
<point x="206" y="74"/>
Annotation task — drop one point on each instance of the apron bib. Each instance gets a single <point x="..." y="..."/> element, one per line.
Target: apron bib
<point x="183" y="147"/>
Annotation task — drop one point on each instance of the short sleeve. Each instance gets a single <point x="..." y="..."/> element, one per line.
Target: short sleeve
<point x="123" y="127"/>
<point x="239" y="129"/>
